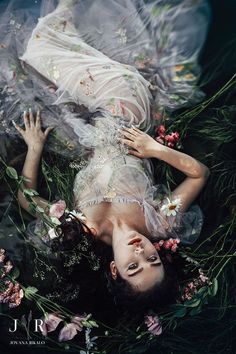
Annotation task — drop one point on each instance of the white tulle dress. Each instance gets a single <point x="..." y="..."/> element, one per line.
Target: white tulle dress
<point x="120" y="59"/>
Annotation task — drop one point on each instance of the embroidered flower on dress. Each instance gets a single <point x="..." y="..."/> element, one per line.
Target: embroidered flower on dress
<point x="171" y="207"/>
<point x="122" y="35"/>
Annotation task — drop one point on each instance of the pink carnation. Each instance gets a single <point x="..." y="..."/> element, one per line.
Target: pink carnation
<point x="174" y="248"/>
<point x="157" y="246"/>
<point x="161" y="130"/>
<point x="57" y="209"/>
<point x="153" y="324"/>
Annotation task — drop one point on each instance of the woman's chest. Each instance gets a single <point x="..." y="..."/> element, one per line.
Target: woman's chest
<point x="130" y="213"/>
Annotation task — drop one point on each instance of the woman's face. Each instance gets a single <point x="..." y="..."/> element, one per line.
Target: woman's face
<point x="137" y="261"/>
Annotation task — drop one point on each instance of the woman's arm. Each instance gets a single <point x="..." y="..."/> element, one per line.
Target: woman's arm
<point x="144" y="146"/>
<point x="35" y="139"/>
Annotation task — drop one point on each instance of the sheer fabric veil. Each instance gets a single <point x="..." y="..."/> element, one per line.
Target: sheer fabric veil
<point x="154" y="44"/>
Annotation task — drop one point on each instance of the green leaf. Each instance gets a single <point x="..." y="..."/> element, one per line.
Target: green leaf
<point x="195" y="311"/>
<point x="39" y="209"/>
<point x="14" y="273"/>
<point x="30" y="290"/>
<point x="31" y="208"/>
<point x="193" y="303"/>
<point x="176" y="307"/>
<point x="12" y="173"/>
<point x="213" y="288"/>
<point x="30" y="192"/>
<point x="180" y="313"/>
<point x="203" y="292"/>
<point x="24" y="179"/>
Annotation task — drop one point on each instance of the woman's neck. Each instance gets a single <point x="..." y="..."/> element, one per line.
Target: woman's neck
<point x="111" y="228"/>
<point x="103" y="219"/>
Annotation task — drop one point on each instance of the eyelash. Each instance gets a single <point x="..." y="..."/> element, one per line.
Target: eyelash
<point x="134" y="265"/>
<point x="152" y="258"/>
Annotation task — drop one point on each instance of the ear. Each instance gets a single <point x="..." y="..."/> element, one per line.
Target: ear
<point x="113" y="270"/>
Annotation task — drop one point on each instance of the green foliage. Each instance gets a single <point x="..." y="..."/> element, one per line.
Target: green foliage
<point x="11" y="172"/>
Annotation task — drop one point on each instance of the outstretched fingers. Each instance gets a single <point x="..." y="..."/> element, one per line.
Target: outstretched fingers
<point x="131" y="131"/>
<point x="47" y="131"/>
<point x="20" y="130"/>
<point x="138" y="131"/>
<point x="127" y="142"/>
<point x="38" y="120"/>
<point x="128" y="135"/>
<point x="26" y="120"/>
<point x="31" y="117"/>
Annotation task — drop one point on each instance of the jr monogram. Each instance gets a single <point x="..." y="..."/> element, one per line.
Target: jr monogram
<point x="25" y="323"/>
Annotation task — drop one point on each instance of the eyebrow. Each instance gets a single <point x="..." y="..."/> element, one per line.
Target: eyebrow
<point x="141" y="269"/>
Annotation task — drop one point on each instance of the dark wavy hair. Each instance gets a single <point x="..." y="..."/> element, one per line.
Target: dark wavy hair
<point x="158" y="297"/>
<point x="74" y="232"/>
<point x="70" y="233"/>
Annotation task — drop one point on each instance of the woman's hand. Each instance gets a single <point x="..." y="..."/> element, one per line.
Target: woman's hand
<point x="142" y="144"/>
<point x="33" y="135"/>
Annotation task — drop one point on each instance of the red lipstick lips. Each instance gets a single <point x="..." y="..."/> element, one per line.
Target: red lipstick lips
<point x="134" y="240"/>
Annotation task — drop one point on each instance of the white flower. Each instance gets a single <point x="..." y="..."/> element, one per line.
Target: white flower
<point x="77" y="214"/>
<point x="171" y="207"/>
<point x="52" y="234"/>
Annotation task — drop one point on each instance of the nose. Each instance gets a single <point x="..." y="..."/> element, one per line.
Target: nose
<point x="138" y="249"/>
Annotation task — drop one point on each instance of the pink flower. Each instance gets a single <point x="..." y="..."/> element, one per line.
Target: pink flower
<point x="78" y="320"/>
<point x="57" y="209"/>
<point x="157" y="246"/>
<point x="69" y="331"/>
<point x="2" y="255"/>
<point x="170" y="244"/>
<point x="8" y="267"/>
<point x="50" y="323"/>
<point x="203" y="278"/>
<point x="161" y="130"/>
<point x="176" y="136"/>
<point x="153" y="325"/>
<point x="174" y="248"/>
<point x="167" y="244"/>
<point x="191" y="285"/>
<point x="12" y="295"/>
<point x="169" y="138"/>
